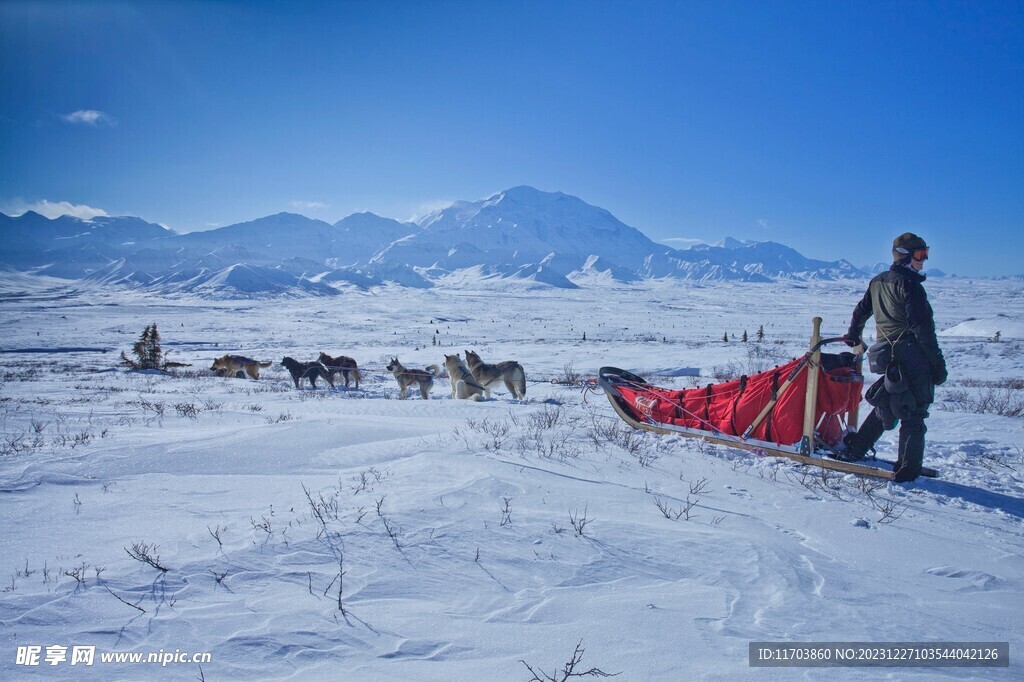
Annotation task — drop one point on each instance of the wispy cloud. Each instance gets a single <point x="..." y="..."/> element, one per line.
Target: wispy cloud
<point x="681" y="242"/>
<point x="89" y="117"/>
<point x="309" y="205"/>
<point x="53" y="209"/>
<point x="428" y="207"/>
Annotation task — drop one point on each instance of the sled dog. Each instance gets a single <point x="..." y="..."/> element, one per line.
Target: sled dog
<point x="406" y="378"/>
<point x="464" y="386"/>
<point x="510" y="371"/>
<point x="231" y="365"/>
<point x="342" y="364"/>
<point x="306" y="370"/>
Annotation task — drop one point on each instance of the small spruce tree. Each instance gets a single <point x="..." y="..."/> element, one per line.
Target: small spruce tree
<point x="760" y="334"/>
<point x="148" y="353"/>
<point x="725" y="337"/>
<point x="744" y="339"/>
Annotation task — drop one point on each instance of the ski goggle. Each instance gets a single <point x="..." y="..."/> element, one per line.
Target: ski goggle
<point x="917" y="254"/>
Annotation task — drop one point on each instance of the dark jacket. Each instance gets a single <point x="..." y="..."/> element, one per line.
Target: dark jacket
<point x="898" y="301"/>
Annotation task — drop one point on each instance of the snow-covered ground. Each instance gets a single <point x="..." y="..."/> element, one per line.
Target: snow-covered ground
<point x="349" y="535"/>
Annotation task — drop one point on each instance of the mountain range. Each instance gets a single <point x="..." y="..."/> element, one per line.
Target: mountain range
<point x="522" y="236"/>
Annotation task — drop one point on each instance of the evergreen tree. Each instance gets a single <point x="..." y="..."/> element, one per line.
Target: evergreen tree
<point x="146" y="350"/>
<point x="744" y="339"/>
<point x="760" y="334"/>
<point x="725" y="337"/>
<point x="148" y="353"/>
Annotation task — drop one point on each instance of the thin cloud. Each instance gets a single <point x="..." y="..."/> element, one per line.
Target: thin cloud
<point x="428" y="207"/>
<point x="310" y="205"/>
<point x="682" y="242"/>
<point x="54" y="209"/>
<point x="89" y="117"/>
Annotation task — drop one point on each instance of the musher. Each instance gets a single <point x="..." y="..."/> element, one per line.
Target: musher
<point x="904" y="321"/>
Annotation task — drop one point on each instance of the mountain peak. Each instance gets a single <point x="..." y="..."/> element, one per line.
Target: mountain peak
<point x="524" y="194"/>
<point x="526" y="190"/>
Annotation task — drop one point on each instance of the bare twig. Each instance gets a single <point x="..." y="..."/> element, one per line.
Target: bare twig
<point x="123" y="600"/>
<point x="145" y="553"/>
<point x="568" y="670"/>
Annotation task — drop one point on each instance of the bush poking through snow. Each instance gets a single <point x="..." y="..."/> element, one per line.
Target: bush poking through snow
<point x="146" y="554"/>
<point x="1006" y="400"/>
<point x="568" y="670"/>
<point x="889" y="510"/>
<point x="569" y="376"/>
<point x="579" y="521"/>
<point x="506" y="511"/>
<point x="674" y="514"/>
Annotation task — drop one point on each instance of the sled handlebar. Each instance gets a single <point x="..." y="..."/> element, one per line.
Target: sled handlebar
<point x="824" y="342"/>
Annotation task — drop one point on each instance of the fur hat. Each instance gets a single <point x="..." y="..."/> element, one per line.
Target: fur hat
<point x="906" y="244"/>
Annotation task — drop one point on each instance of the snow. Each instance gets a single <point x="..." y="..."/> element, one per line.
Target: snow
<point x="482" y="569"/>
<point x="1006" y="326"/>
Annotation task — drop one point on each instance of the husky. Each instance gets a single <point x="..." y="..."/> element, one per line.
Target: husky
<point x="510" y="371"/>
<point x="407" y="377"/>
<point x="231" y="365"/>
<point x="342" y="364"/>
<point x="306" y="370"/>
<point x="464" y="386"/>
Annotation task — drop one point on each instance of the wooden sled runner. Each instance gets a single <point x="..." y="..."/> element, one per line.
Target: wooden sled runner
<point x="798" y="410"/>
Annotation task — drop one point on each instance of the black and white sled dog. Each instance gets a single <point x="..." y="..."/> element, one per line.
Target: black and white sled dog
<point x="306" y="370"/>
<point x="464" y="386"/>
<point x="407" y="378"/>
<point x="509" y="371"/>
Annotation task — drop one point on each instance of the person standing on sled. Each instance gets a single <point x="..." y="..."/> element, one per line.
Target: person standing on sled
<point x="904" y="321"/>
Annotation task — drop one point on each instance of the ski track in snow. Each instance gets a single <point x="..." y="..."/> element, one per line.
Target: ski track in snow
<point x="482" y="567"/>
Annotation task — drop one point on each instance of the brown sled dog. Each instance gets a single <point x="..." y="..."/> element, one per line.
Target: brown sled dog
<point x="510" y="372"/>
<point x="306" y="370"/>
<point x="342" y="364"/>
<point x="231" y="365"/>
<point x="407" y="378"/>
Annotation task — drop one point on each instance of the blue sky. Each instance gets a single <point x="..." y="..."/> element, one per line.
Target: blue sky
<point x="827" y="126"/>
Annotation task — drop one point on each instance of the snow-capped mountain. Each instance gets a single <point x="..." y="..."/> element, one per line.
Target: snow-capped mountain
<point x="365" y="234"/>
<point x="524" y="235"/>
<point x="523" y="225"/>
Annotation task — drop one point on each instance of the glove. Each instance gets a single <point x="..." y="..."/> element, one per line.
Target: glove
<point x="851" y="342"/>
<point x="939" y="374"/>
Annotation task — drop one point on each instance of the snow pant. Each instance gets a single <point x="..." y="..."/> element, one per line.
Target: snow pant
<point x="916" y="370"/>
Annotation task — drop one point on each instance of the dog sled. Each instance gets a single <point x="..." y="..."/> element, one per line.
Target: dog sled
<point x="799" y="410"/>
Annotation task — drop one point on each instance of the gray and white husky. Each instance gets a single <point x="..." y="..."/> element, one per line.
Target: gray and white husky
<point x="464" y="386"/>
<point x="407" y="378"/>
<point x="509" y="371"/>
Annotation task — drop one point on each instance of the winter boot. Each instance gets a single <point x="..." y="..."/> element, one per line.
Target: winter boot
<point x="911" y="456"/>
<point x="847" y="450"/>
<point x="857" y="443"/>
